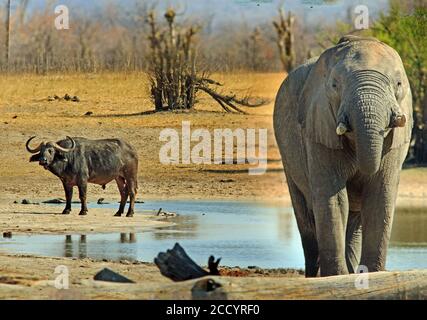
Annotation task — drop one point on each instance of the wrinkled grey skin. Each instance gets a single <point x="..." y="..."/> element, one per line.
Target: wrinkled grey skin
<point x="79" y="161"/>
<point x="343" y="184"/>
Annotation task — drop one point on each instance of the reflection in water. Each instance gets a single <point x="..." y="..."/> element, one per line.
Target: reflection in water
<point x="125" y="239"/>
<point x="69" y="248"/>
<point x="410" y="227"/>
<point x="68" y="252"/>
<point x="286" y="227"/>
<point x="187" y="227"/>
<point x="82" y="247"/>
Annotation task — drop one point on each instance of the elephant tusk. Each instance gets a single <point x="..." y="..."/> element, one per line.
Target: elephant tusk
<point x="399" y="121"/>
<point x="341" y="129"/>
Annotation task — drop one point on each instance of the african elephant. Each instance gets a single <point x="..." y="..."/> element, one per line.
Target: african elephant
<point x="343" y="124"/>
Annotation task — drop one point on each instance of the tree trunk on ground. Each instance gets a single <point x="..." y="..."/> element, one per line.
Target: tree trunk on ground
<point x="382" y="285"/>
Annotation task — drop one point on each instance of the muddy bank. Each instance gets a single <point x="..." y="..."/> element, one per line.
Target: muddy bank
<point x="18" y="281"/>
<point x="44" y="219"/>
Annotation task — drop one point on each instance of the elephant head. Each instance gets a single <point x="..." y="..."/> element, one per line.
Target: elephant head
<point x="357" y="90"/>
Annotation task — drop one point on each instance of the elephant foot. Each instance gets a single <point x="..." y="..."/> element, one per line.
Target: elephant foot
<point x="66" y="211"/>
<point x="83" y="213"/>
<point x="130" y="214"/>
<point x="118" y="214"/>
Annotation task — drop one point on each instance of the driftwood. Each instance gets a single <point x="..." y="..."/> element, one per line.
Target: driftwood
<point x="404" y="285"/>
<point x="178" y="266"/>
<point x="382" y="285"/>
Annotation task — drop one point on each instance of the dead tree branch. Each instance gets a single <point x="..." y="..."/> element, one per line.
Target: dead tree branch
<point x="285" y="39"/>
<point x="174" y="74"/>
<point x="175" y="264"/>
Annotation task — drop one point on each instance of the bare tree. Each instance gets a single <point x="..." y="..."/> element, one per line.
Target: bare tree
<point x="174" y="75"/>
<point x="285" y="39"/>
<point x="35" y="44"/>
<point x="7" y="41"/>
<point x="22" y="10"/>
<point x="252" y="46"/>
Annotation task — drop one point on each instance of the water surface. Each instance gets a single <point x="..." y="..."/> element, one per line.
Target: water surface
<point x="242" y="233"/>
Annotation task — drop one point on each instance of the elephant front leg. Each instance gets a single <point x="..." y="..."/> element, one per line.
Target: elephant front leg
<point x="331" y="218"/>
<point x="328" y="175"/>
<point x="377" y="218"/>
<point x="353" y="241"/>
<point x="306" y="227"/>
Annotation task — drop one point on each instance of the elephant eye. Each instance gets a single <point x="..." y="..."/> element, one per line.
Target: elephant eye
<point x="399" y="89"/>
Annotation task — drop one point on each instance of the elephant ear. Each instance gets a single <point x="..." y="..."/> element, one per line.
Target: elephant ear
<point x="402" y="136"/>
<point x="316" y="115"/>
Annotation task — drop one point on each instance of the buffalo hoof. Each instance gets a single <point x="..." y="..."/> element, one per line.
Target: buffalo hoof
<point x="83" y="213"/>
<point x="118" y="214"/>
<point x="66" y="211"/>
<point x="129" y="215"/>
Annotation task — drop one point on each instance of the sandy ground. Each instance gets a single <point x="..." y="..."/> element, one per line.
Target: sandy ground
<point x="120" y="105"/>
<point x="43" y="219"/>
<point x="18" y="282"/>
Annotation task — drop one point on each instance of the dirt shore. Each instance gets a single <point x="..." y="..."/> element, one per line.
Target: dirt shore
<point x="43" y="219"/>
<point x="121" y="108"/>
<point x="18" y="281"/>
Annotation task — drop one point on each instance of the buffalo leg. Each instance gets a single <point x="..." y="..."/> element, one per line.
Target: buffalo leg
<point x="82" y="195"/>
<point x="132" y="195"/>
<point x="124" y="195"/>
<point x="68" y="196"/>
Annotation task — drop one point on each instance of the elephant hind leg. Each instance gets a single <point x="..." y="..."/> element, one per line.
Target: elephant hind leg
<point x="353" y="241"/>
<point x="307" y="229"/>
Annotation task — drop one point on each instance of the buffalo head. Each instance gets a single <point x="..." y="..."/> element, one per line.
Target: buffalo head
<point x="46" y="151"/>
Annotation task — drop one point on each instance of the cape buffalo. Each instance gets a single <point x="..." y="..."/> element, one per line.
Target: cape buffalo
<point x="77" y="161"/>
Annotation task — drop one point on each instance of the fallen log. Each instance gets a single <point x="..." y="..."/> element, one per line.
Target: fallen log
<point x="406" y="285"/>
<point x="178" y="266"/>
<point x="396" y="285"/>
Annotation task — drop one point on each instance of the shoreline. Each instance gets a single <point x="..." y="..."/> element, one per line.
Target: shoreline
<point x="47" y="219"/>
<point x="16" y="217"/>
<point x="20" y="283"/>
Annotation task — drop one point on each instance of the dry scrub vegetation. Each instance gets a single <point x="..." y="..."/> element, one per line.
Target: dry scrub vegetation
<point x="121" y="107"/>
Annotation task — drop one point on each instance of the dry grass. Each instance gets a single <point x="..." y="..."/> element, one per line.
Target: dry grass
<point x="119" y="102"/>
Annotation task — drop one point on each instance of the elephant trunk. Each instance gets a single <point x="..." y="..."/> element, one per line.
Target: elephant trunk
<point x="369" y="146"/>
<point x="371" y="109"/>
